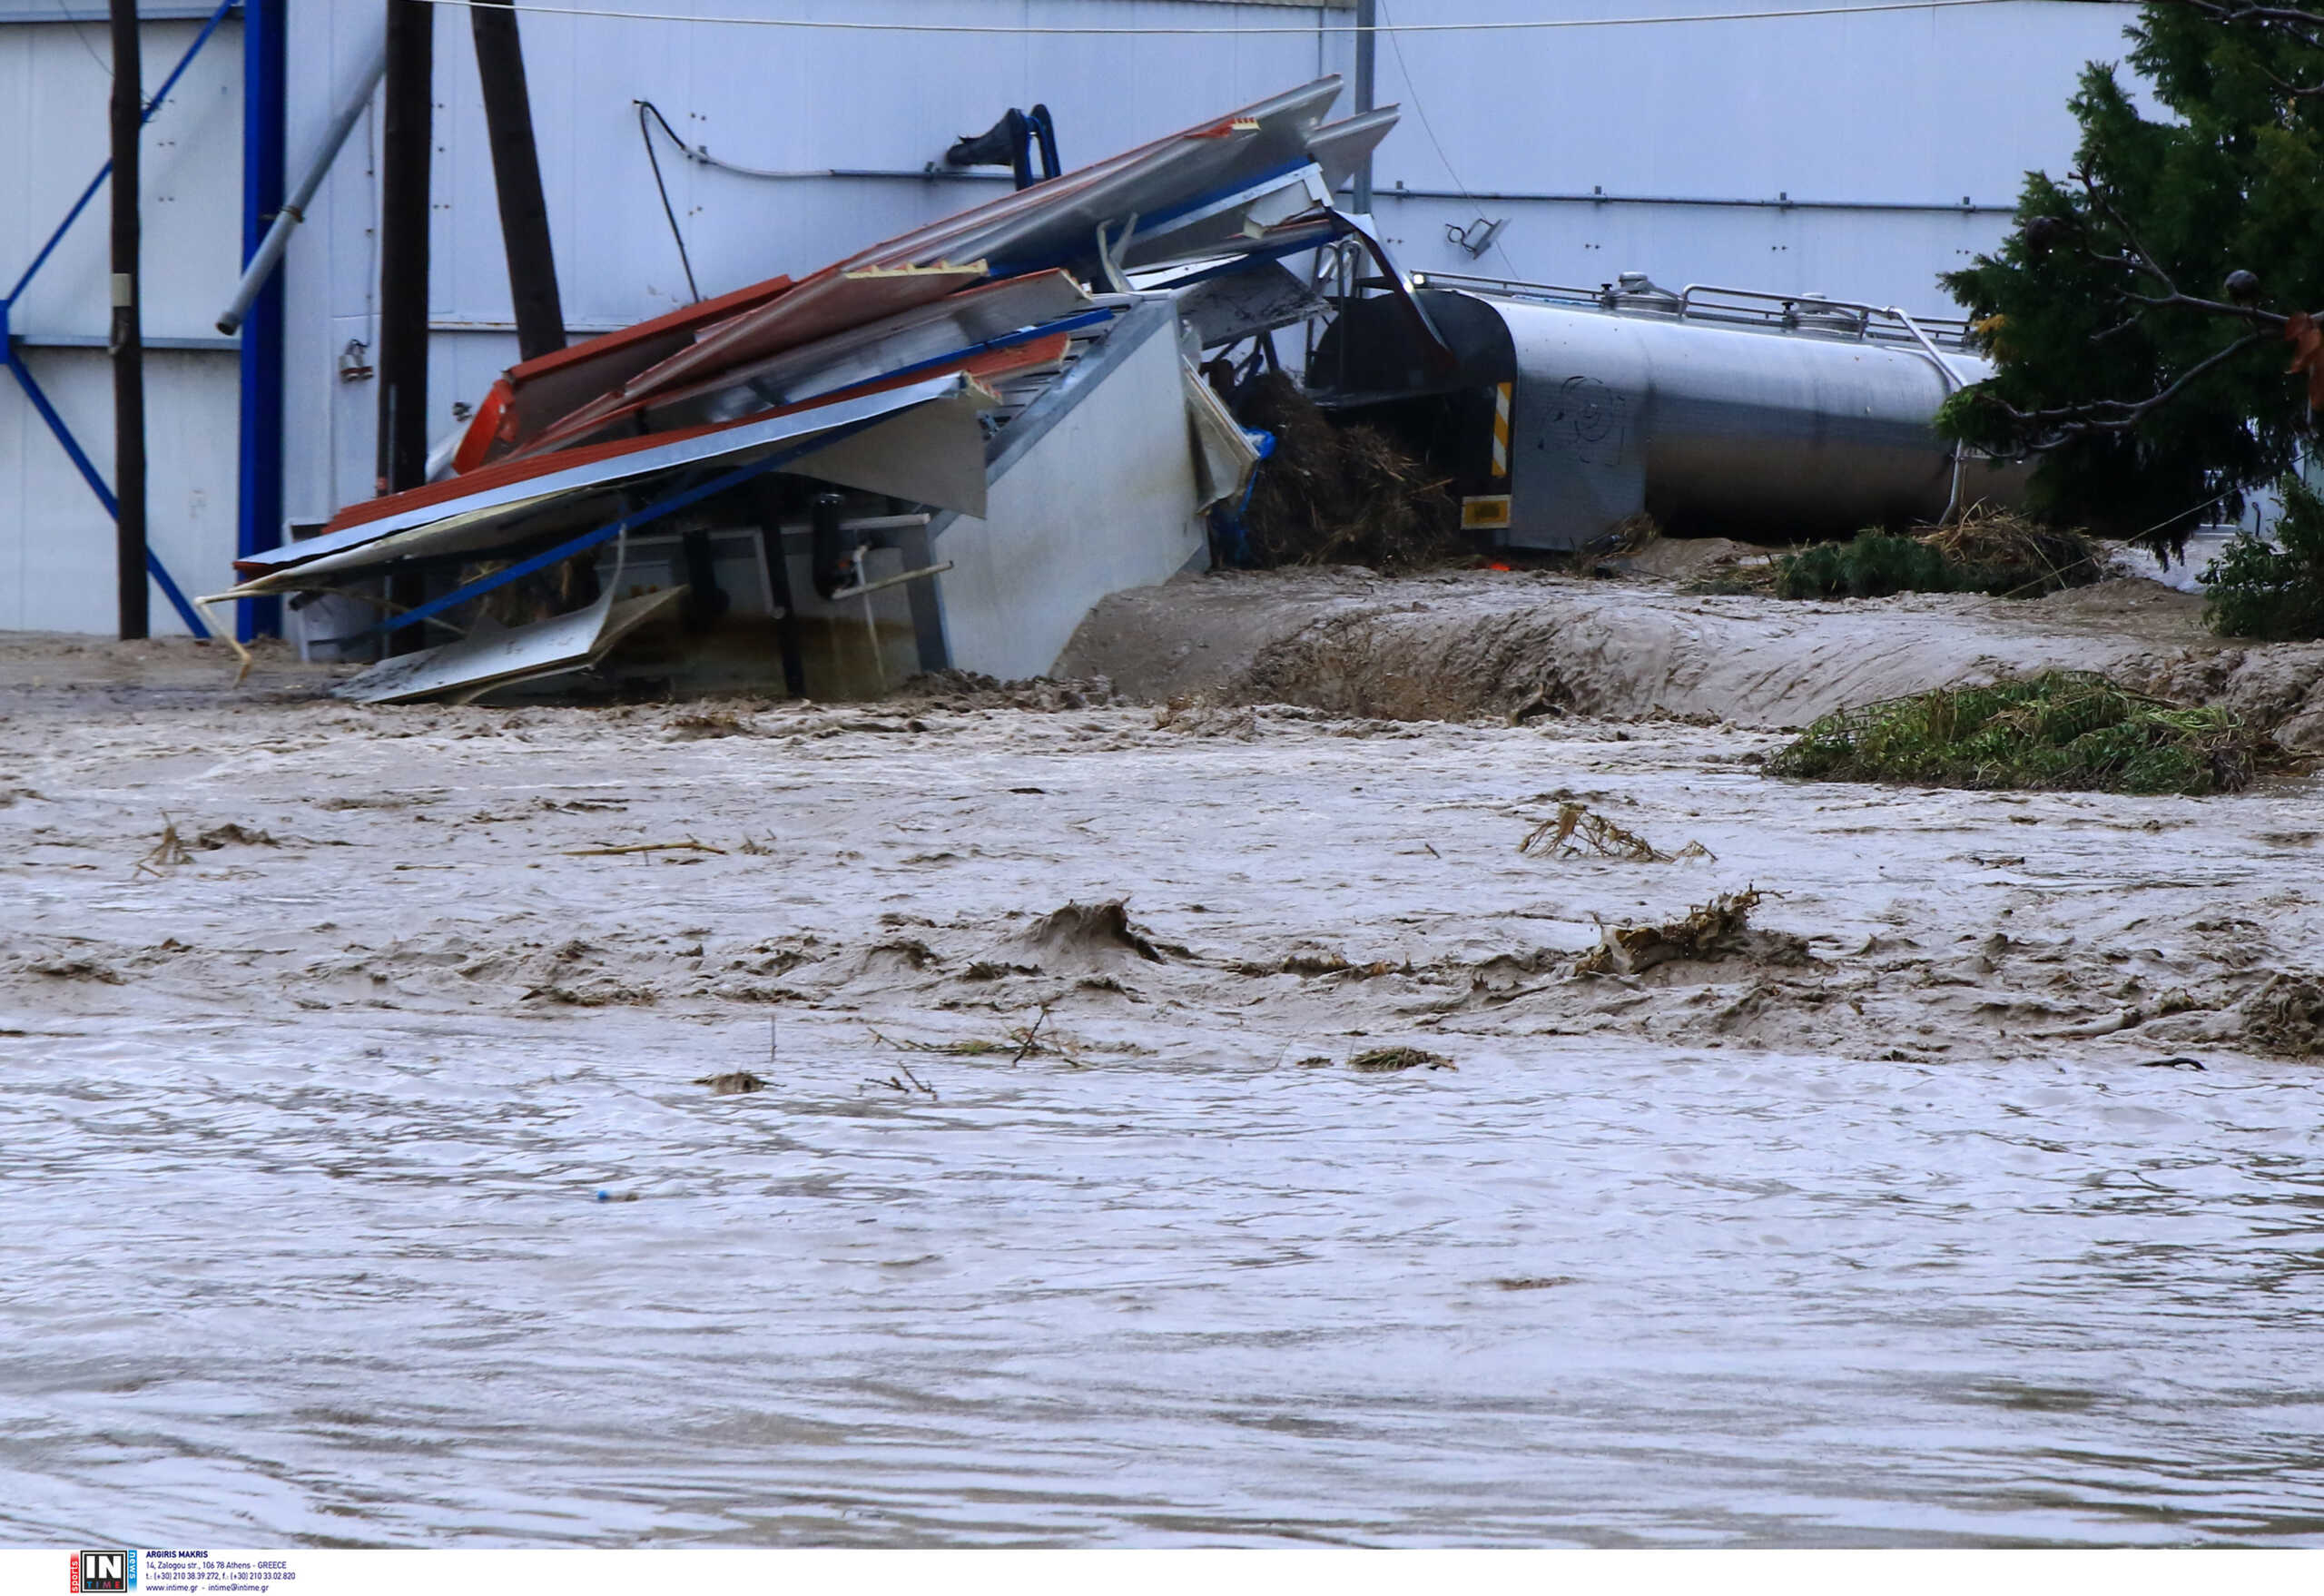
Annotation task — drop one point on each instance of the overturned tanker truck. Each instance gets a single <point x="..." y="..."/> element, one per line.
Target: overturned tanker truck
<point x="1560" y="413"/>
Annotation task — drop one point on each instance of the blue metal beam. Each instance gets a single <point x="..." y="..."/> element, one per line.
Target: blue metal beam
<point x="611" y="529"/>
<point x="11" y="362"/>
<point x="258" y="505"/>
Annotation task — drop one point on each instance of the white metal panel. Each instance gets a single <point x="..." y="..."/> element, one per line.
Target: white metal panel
<point x="1093" y="507"/>
<point x="54" y="136"/>
<point x="1914" y="106"/>
<point x="57" y="542"/>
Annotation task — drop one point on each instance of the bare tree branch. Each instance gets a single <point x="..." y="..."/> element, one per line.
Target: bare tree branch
<point x="2048" y="428"/>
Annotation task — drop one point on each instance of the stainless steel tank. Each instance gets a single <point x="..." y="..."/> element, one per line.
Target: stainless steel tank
<point x="1712" y="410"/>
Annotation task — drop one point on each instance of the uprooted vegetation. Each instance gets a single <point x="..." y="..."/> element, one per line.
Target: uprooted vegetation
<point x="2286" y="1017"/>
<point x="1332" y="495"/>
<point x="1993" y="552"/>
<point x="1575" y="829"/>
<point x="1707" y="932"/>
<point x="2272" y="591"/>
<point x="2073" y="731"/>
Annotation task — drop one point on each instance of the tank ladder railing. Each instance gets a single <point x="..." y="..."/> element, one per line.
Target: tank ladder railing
<point x="1764" y="310"/>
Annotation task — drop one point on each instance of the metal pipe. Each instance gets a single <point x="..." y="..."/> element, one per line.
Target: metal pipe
<point x="128" y="352"/>
<point x="294" y="211"/>
<point x="1782" y="203"/>
<point x="1367" y="22"/>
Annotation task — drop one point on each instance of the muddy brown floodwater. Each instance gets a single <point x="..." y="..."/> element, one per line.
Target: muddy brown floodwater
<point x="363" y="1184"/>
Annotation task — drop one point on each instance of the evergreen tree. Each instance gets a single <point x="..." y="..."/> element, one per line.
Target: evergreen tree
<point x="2144" y="313"/>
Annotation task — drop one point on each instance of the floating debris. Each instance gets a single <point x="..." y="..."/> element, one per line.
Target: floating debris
<point x="166" y="854"/>
<point x="732" y="1084"/>
<point x="1575" y="829"/>
<point x="1388" y="1061"/>
<point x="1710" y="930"/>
<point x="232" y="834"/>
<point x="2286" y="1017"/>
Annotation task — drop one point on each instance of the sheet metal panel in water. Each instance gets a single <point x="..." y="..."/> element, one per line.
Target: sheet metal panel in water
<point x="471" y="514"/>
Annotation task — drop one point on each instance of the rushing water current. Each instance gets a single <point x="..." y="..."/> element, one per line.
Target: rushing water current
<point x="370" y="1294"/>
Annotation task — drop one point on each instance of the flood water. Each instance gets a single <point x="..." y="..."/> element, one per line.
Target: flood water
<point x="359" y="1287"/>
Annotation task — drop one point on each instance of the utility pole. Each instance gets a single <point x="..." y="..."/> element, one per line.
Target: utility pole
<point x="128" y="333"/>
<point x="407" y="136"/>
<point x="1367" y="20"/>
<point x="517" y="175"/>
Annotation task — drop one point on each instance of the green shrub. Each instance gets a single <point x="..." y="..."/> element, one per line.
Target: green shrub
<point x="1874" y="566"/>
<point x="2273" y="592"/>
<point x="1993" y="552"/>
<point x="2058" y="729"/>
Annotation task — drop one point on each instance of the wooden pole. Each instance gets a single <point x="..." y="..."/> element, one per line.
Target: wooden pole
<point x="128" y="334"/>
<point x="407" y="136"/>
<point x="516" y="176"/>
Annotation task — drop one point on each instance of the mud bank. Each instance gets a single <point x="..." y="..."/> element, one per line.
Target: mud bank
<point x="1512" y="645"/>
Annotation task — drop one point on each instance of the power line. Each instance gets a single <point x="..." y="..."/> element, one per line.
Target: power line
<point x="1536" y="25"/>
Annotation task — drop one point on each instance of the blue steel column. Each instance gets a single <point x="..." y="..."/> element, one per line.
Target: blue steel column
<point x="260" y="512"/>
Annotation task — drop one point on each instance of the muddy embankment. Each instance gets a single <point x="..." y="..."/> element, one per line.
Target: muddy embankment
<point x="1515" y="646"/>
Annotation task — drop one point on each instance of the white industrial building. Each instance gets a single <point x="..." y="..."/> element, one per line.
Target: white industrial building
<point x="1857" y="154"/>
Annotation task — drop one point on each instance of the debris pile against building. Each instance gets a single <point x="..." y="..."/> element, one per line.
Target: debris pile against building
<point x="938" y="453"/>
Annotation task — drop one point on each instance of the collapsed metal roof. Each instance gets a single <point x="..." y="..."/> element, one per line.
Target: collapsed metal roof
<point x="882" y="372"/>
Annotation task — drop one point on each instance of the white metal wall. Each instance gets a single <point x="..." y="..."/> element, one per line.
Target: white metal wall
<point x="1926" y="108"/>
<point x="56" y="541"/>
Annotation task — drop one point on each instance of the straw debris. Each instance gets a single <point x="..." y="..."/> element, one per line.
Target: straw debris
<point x="1710" y="932"/>
<point x="1988" y="551"/>
<point x="1388" y="1061"/>
<point x="1575" y="831"/>
<point x="2073" y="731"/>
<point x="166" y="854"/>
<point x="2286" y="1017"/>
<point x="1332" y="495"/>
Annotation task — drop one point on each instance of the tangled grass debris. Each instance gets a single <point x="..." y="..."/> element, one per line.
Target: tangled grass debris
<point x="1995" y="551"/>
<point x="1332" y="495"/>
<point x="1710" y="930"/>
<point x="1389" y="1061"/>
<point x="2286" y="1017"/>
<point x="2058" y="731"/>
<point x="166" y="854"/>
<point x="1574" y="830"/>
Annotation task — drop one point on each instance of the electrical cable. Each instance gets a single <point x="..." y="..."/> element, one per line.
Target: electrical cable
<point x="701" y="156"/>
<point x="646" y="136"/>
<point x="65" y="14"/>
<point x="1412" y="93"/>
<point x="1533" y="25"/>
